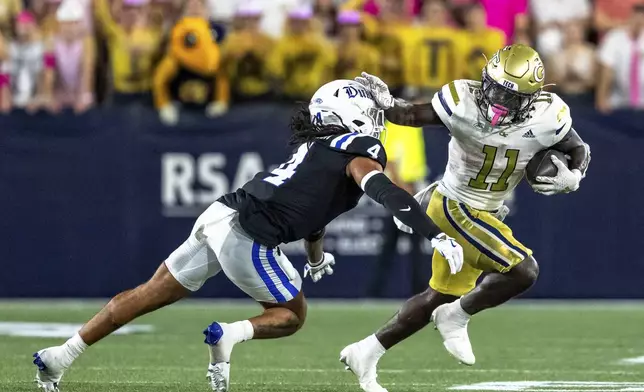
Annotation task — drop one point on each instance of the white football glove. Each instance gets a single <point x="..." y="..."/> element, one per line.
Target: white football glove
<point x="565" y="181"/>
<point x="378" y="88"/>
<point x="450" y="250"/>
<point x="321" y="268"/>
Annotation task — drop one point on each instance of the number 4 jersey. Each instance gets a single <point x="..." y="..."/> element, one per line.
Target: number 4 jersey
<point x="305" y="193"/>
<point x="487" y="162"/>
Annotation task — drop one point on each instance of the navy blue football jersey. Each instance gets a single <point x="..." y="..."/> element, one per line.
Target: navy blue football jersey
<point x="306" y="192"/>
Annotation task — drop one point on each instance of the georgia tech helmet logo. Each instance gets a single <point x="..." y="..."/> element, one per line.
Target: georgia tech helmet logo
<point x="539" y="73"/>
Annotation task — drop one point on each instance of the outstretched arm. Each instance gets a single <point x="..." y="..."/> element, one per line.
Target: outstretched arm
<point x="412" y="115"/>
<point x="397" y="110"/>
<point x="368" y="174"/>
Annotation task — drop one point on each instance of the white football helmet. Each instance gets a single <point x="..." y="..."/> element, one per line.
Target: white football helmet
<point x="350" y="104"/>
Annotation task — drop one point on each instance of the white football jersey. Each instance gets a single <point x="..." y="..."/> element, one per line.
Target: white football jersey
<point x="487" y="162"/>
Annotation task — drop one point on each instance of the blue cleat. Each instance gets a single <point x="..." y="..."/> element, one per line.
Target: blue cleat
<point x="213" y="333"/>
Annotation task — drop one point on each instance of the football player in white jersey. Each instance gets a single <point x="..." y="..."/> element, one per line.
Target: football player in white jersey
<point x="497" y="125"/>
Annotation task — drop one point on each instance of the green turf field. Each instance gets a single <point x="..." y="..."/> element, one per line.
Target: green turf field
<point x="519" y="342"/>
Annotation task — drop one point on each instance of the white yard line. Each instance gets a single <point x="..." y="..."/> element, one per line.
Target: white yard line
<point x="632" y="361"/>
<point x="599" y="389"/>
<point x="552" y="386"/>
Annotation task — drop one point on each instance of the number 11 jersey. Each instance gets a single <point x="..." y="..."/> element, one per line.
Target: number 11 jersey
<point x="487" y="162"/>
<point x="306" y="192"/>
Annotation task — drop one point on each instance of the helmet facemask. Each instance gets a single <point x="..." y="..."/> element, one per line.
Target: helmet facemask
<point x="370" y="122"/>
<point x="501" y="104"/>
<point x="377" y="117"/>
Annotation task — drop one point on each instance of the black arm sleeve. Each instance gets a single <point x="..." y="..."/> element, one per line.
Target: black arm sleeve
<point x="401" y="204"/>
<point x="413" y="115"/>
<point x="578" y="151"/>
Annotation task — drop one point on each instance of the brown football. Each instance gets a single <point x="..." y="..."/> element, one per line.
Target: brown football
<point x="541" y="165"/>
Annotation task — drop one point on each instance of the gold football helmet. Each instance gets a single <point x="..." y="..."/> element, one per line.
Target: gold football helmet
<point x="512" y="80"/>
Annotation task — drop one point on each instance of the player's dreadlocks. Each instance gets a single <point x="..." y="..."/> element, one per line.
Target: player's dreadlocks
<point x="305" y="131"/>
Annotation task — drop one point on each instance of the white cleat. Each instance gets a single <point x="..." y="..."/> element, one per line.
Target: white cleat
<point x="219" y="376"/>
<point x="50" y="370"/>
<point x="359" y="360"/>
<point x="220" y="341"/>
<point x="453" y="328"/>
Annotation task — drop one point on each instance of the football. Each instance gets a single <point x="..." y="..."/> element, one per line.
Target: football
<point x="541" y="165"/>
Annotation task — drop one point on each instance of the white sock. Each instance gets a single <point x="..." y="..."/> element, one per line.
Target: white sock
<point x="374" y="345"/>
<point x="458" y="310"/>
<point x="244" y="329"/>
<point x="73" y="348"/>
<point x="234" y="333"/>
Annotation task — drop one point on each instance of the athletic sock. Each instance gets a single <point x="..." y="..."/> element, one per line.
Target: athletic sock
<point x="234" y="333"/>
<point x="374" y="346"/>
<point x="457" y="309"/>
<point x="72" y="349"/>
<point x="244" y="330"/>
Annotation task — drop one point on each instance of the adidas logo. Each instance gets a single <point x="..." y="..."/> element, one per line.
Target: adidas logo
<point x="529" y="135"/>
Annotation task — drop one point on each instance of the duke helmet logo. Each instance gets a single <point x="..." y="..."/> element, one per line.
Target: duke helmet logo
<point x="353" y="92"/>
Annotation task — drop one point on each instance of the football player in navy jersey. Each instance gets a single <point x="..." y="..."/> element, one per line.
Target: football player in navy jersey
<point x="337" y="158"/>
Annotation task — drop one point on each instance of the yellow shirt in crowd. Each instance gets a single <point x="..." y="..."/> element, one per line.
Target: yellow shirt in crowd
<point x="356" y="58"/>
<point x="131" y="54"/>
<point x="392" y="42"/>
<point x="303" y="63"/>
<point x="8" y="11"/>
<point x="246" y="57"/>
<point x="485" y="42"/>
<point x="437" y="57"/>
<point x="406" y="147"/>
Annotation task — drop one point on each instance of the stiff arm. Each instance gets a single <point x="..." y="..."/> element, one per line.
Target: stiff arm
<point x="368" y="174"/>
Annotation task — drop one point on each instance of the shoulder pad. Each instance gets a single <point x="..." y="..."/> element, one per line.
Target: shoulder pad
<point x="553" y="116"/>
<point x="361" y="145"/>
<point x="451" y="97"/>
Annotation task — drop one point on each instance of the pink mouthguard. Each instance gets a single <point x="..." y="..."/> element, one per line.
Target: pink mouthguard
<point x="499" y="111"/>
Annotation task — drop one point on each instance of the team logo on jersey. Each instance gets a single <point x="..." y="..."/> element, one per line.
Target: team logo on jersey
<point x="529" y="134"/>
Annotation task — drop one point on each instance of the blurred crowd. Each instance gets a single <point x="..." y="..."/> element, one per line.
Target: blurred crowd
<point x="180" y="54"/>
